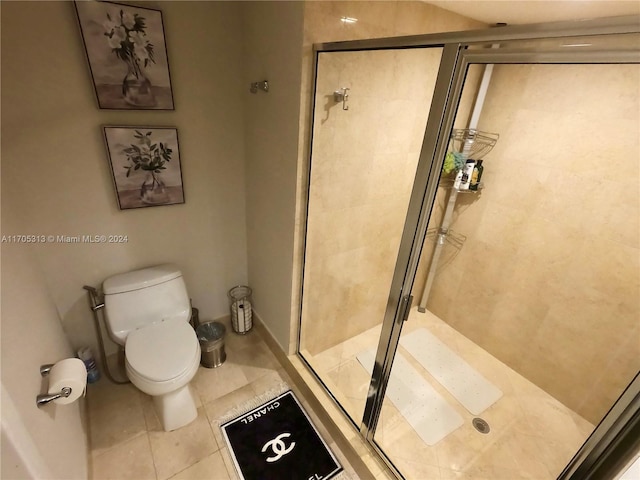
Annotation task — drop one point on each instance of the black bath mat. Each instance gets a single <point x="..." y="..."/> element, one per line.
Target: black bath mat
<point x="277" y="441"/>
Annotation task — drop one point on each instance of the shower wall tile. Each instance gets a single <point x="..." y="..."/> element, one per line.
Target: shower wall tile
<point x="549" y="277"/>
<point x="608" y="382"/>
<point x="618" y="222"/>
<point x="526" y="191"/>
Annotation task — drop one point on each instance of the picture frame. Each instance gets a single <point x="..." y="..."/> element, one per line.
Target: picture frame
<point x="145" y="165"/>
<point x="127" y="55"/>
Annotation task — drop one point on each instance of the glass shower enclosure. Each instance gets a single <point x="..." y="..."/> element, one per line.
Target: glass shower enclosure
<point x="477" y="327"/>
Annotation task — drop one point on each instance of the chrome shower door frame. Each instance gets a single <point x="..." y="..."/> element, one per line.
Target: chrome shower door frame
<point x="617" y="427"/>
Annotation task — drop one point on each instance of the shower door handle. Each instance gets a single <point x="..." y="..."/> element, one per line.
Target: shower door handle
<point x="407" y="300"/>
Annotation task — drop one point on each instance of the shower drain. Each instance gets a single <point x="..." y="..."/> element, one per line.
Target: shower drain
<point x="481" y="426"/>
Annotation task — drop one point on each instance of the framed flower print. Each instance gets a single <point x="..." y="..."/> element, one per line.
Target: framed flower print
<point x="145" y="162"/>
<point x="127" y="55"/>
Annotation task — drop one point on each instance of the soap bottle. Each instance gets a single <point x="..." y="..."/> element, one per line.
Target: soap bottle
<point x="467" y="170"/>
<point x="456" y="182"/>
<point x="476" y="176"/>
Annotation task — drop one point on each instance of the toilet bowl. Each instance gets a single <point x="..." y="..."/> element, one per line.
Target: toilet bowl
<point x="147" y="312"/>
<point x="161" y="359"/>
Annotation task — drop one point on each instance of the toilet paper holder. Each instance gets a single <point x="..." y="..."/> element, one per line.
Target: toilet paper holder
<point x="45" y="398"/>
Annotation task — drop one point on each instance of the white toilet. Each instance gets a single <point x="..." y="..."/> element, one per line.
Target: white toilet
<point x="148" y="312"/>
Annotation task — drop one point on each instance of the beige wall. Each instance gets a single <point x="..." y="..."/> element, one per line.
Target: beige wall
<point x="56" y="179"/>
<point x="50" y="442"/>
<point x="364" y="160"/>
<point x="272" y="51"/>
<point x="548" y="279"/>
<point x="55" y="172"/>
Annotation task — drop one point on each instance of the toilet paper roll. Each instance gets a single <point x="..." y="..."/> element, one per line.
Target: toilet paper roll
<point x="71" y="373"/>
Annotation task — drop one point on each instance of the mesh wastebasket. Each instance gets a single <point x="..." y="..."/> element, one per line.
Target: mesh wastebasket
<point x="211" y="338"/>
<point x="241" y="316"/>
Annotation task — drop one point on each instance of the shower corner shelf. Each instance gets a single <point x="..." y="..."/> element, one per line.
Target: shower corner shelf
<point x="477" y="190"/>
<point x="448" y="183"/>
<point x="471" y="144"/>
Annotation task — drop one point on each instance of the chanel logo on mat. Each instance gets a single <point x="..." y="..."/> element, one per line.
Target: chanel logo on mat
<point x="278" y="446"/>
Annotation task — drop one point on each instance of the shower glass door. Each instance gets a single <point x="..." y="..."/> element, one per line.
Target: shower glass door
<point x="523" y="332"/>
<point x="525" y="326"/>
<point x="370" y="113"/>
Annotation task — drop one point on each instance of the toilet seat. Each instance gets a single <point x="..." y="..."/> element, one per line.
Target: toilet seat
<point x="163" y="351"/>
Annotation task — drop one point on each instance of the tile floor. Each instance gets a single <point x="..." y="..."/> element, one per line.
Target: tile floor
<point x="533" y="436"/>
<point x="127" y="441"/>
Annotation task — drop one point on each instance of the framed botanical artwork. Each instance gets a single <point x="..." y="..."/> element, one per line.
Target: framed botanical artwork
<point x="145" y="162"/>
<point x="127" y="55"/>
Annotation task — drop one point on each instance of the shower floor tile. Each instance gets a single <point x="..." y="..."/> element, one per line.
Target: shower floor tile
<point x="532" y="435"/>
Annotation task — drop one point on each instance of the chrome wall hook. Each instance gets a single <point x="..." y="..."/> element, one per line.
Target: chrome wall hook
<point x="342" y="95"/>
<point x="263" y="85"/>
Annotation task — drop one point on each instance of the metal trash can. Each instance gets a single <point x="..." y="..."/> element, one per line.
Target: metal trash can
<point x="241" y="315"/>
<point x="211" y="337"/>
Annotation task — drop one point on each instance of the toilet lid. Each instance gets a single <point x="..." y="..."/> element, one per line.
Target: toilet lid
<point x="162" y="351"/>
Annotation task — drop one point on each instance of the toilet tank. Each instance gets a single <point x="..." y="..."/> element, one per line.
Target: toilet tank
<point x="135" y="299"/>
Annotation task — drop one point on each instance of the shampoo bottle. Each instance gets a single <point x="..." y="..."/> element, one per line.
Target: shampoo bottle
<point x="456" y="182"/>
<point x="476" y="176"/>
<point x="466" y="174"/>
